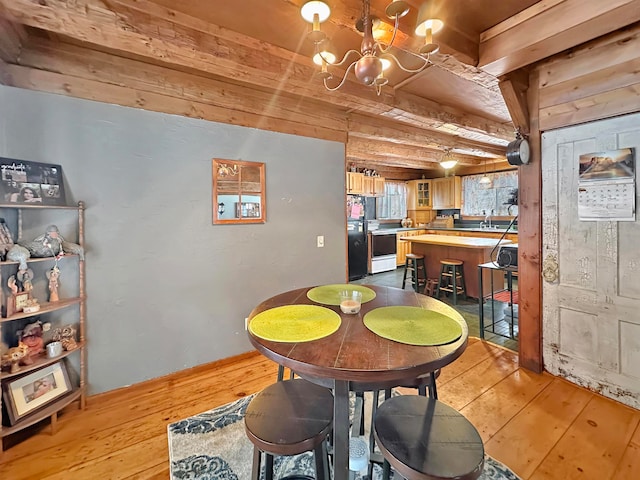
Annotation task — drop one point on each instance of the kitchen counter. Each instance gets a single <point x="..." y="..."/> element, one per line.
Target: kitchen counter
<point x="389" y="231"/>
<point x="472" y="229"/>
<point x="473" y="251"/>
<point x="454" y="241"/>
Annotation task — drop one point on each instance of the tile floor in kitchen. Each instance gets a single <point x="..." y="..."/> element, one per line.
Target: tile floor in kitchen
<point x="467" y="308"/>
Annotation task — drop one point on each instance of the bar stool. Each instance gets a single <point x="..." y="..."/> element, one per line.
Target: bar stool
<point x="288" y="418"/>
<point x="423" y="438"/>
<point x="415" y="263"/>
<point x="451" y="279"/>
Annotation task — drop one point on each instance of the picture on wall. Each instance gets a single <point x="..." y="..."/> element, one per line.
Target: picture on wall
<point x="26" y="182"/>
<point x="611" y="165"/>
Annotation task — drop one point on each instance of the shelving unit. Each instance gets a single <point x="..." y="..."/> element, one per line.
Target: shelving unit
<point x="64" y="306"/>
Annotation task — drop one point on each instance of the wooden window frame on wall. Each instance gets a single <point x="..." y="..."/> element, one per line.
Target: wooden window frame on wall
<point x="234" y="178"/>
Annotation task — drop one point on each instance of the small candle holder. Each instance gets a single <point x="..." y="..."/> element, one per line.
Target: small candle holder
<point x="350" y="301"/>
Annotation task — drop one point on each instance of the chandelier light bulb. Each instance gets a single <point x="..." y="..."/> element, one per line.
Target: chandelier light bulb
<point x="315" y="7"/>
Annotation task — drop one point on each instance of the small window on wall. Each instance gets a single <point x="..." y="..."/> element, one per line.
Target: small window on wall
<point x="393" y="204"/>
<point x="238" y="192"/>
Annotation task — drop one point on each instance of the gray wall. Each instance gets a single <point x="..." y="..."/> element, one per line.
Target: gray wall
<point x="168" y="290"/>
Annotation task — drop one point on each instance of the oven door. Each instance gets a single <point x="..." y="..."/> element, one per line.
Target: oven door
<point x="383" y="244"/>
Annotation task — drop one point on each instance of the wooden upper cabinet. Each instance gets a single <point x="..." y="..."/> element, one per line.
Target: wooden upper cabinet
<point x="361" y="184"/>
<point x="355" y="183"/>
<point x="419" y="195"/>
<point x="446" y="192"/>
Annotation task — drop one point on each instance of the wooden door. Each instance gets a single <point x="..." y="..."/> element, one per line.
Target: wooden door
<point x="591" y="287"/>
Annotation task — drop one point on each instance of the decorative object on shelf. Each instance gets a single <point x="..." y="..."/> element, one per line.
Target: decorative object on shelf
<point x="31" y="336"/>
<point x="67" y="336"/>
<point x="374" y="56"/>
<point x="30" y="392"/>
<point x="53" y="275"/>
<point x="13" y="357"/>
<point x="6" y="239"/>
<point x="447" y="162"/>
<point x="52" y="244"/>
<point x="54" y="349"/>
<point x="20" y="254"/>
<point x="31" y="306"/>
<point x="31" y="182"/>
<point x="20" y="287"/>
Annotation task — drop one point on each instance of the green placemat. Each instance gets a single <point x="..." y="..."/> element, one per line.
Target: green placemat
<point x="413" y="325"/>
<point x="330" y="294"/>
<point x="295" y="323"/>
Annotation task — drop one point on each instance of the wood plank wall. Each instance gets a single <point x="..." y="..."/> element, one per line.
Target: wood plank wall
<point x="600" y="79"/>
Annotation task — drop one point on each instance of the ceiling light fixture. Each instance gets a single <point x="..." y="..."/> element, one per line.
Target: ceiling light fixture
<point x="485" y="181"/>
<point x="448" y="161"/>
<point x="374" y="57"/>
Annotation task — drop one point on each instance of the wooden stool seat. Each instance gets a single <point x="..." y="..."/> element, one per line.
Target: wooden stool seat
<point x="424" y="439"/>
<point x="288" y="418"/>
<point x="451" y="279"/>
<point x="414" y="263"/>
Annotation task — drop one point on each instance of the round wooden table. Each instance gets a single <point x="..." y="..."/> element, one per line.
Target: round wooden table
<point x="355" y="354"/>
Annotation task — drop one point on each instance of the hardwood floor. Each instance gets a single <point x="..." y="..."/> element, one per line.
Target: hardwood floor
<point x="541" y="426"/>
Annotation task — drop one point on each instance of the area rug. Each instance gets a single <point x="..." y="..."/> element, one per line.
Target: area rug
<point x="213" y="445"/>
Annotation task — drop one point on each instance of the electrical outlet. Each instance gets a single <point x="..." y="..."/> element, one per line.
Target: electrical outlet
<point x="320" y="240"/>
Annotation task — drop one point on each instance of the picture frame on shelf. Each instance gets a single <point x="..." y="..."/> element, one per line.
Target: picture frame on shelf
<point x="31" y="183"/>
<point x="21" y="300"/>
<point x="24" y="395"/>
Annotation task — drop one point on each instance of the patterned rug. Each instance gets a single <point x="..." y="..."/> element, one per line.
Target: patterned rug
<point x="213" y="445"/>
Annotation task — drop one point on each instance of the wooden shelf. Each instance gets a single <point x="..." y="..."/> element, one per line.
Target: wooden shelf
<point x="40" y="362"/>
<point x="38" y="259"/>
<point x="44" y="308"/>
<point x="35" y="206"/>
<point x="45" y="412"/>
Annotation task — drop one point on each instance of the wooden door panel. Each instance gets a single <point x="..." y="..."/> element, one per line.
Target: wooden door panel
<point x="591" y="325"/>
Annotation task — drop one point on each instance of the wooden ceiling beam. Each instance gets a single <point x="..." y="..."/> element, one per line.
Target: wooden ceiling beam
<point x="368" y="127"/>
<point x="514" y="91"/>
<point x="550" y="27"/>
<point x="12" y="37"/>
<point x="265" y="67"/>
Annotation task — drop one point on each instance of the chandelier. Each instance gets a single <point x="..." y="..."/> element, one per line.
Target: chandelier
<point x="374" y="57"/>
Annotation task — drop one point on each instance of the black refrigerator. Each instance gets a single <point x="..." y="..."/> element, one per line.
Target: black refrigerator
<point x="359" y="210"/>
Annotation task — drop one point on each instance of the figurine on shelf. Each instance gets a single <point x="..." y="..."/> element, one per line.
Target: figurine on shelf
<point x="51" y="244"/>
<point x="13" y="357"/>
<point x="23" y="279"/>
<point x="67" y="336"/>
<point x="31" y="336"/>
<point x="53" y="276"/>
<point x="31" y="306"/>
<point x="6" y="239"/>
<point x="20" y="254"/>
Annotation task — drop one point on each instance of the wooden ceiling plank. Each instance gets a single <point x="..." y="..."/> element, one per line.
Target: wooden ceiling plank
<point x="564" y="25"/>
<point x="254" y="68"/>
<point x="94" y="65"/>
<point x="25" y="77"/>
<point x="10" y="41"/>
<point x="378" y="127"/>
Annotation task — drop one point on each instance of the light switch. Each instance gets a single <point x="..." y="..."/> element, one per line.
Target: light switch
<point x="320" y="241"/>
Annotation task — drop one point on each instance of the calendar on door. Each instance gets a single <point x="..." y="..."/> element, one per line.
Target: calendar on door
<point x="607" y="187"/>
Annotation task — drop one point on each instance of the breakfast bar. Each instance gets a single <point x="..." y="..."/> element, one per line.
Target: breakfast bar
<point x="473" y="251"/>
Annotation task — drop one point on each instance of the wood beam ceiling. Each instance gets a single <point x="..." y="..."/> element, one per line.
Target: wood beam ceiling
<point x="235" y="58"/>
<point x="550" y="27"/>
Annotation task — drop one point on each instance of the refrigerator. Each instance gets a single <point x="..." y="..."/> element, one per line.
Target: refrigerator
<point x="359" y="210"/>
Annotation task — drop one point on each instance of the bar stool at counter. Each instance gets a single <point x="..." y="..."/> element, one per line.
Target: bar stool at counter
<point x="415" y="264"/>
<point x="451" y="279"/>
<point x="288" y="418"/>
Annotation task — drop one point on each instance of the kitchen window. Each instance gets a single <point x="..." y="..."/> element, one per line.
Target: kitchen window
<point x="393" y="204"/>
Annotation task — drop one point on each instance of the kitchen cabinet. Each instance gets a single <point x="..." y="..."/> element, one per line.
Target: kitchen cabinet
<point x="446" y="192"/>
<point x="419" y="195"/>
<point x="355" y="183"/>
<point x="38" y="386"/>
<point x="373" y="186"/>
<point x="403" y="246"/>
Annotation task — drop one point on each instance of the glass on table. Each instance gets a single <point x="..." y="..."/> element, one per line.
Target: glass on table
<point x="350" y="301"/>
